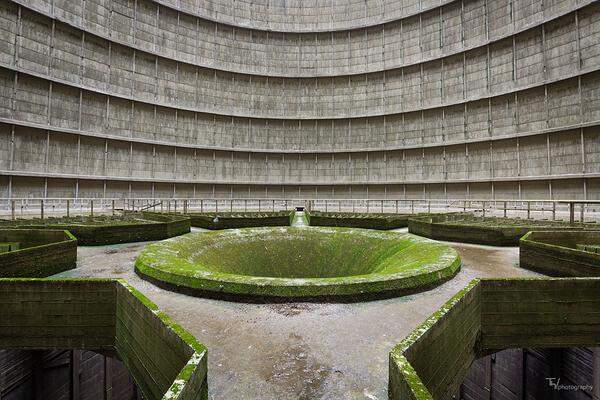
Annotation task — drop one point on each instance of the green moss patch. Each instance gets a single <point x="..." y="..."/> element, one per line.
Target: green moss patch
<point x="36" y="253"/>
<point x="590" y="248"/>
<point x="298" y="263"/>
<point x="104" y="229"/>
<point x="468" y="228"/>
<point x="9" y="246"/>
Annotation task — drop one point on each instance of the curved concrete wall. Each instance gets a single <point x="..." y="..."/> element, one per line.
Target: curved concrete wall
<point x="300" y="15"/>
<point x="160" y="31"/>
<point x="448" y="99"/>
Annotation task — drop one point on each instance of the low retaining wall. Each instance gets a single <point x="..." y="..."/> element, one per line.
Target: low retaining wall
<point x="165" y="361"/>
<point x="359" y="220"/>
<point x="233" y="220"/>
<point x="455" y="227"/>
<point x="556" y="253"/>
<point x="41" y="253"/>
<point x="490" y="315"/>
<point x="153" y="227"/>
<point x="422" y="367"/>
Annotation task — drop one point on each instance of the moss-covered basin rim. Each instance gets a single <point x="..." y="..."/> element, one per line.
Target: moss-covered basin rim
<point x="403" y="261"/>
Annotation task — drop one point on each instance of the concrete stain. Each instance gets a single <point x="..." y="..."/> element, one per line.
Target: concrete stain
<point x="295" y="367"/>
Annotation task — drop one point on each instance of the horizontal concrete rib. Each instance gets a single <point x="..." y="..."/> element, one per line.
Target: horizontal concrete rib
<point x="270" y="182"/>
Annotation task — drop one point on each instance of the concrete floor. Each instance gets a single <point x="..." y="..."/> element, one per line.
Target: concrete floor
<point x="298" y="350"/>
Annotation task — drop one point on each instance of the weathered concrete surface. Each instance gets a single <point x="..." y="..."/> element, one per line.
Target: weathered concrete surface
<point x="298" y="350"/>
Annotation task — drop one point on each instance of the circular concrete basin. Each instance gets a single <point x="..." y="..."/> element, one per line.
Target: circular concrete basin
<point x="298" y="263"/>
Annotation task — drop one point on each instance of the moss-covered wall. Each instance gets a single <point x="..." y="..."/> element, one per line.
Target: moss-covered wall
<point x="233" y="220"/>
<point x="46" y="314"/>
<point x="157" y="352"/>
<point x="41" y="253"/>
<point x="105" y="315"/>
<point x="487" y="316"/>
<point x="561" y="253"/>
<point x="137" y="228"/>
<point x="466" y="228"/>
<point x="359" y="220"/>
<point x="431" y="361"/>
<point x="519" y="313"/>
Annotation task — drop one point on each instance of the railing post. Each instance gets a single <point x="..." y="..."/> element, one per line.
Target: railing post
<point x="483" y="209"/>
<point x="245" y="205"/>
<point x="429" y="206"/>
<point x="529" y="210"/>
<point x="185" y="206"/>
<point x="367" y="205"/>
<point x="571" y="212"/>
<point x="175" y="205"/>
<point x="504" y="208"/>
<point x="396" y="206"/>
<point x="259" y="205"/>
<point x="42" y="208"/>
<point x="326" y="205"/>
<point x="92" y="208"/>
<point x="581" y="212"/>
<point x="68" y="208"/>
<point x="112" y="205"/>
<point x="553" y="210"/>
<point x="12" y="210"/>
<point x="464" y="206"/>
<point x="273" y="205"/>
<point x="339" y="205"/>
<point x="382" y="206"/>
<point x="412" y="206"/>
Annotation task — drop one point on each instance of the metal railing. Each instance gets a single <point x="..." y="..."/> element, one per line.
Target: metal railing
<point x="573" y="210"/>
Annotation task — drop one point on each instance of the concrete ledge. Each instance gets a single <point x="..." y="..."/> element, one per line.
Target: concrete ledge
<point x="138" y="227"/>
<point x="490" y="315"/>
<point x="40" y="253"/>
<point x="165" y="361"/>
<point x="560" y="253"/>
<point x="467" y="228"/>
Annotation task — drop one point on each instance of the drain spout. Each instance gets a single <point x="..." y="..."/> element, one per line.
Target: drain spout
<point x="300" y="219"/>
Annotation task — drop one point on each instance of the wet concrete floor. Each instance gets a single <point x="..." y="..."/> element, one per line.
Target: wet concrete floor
<point x="298" y="350"/>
